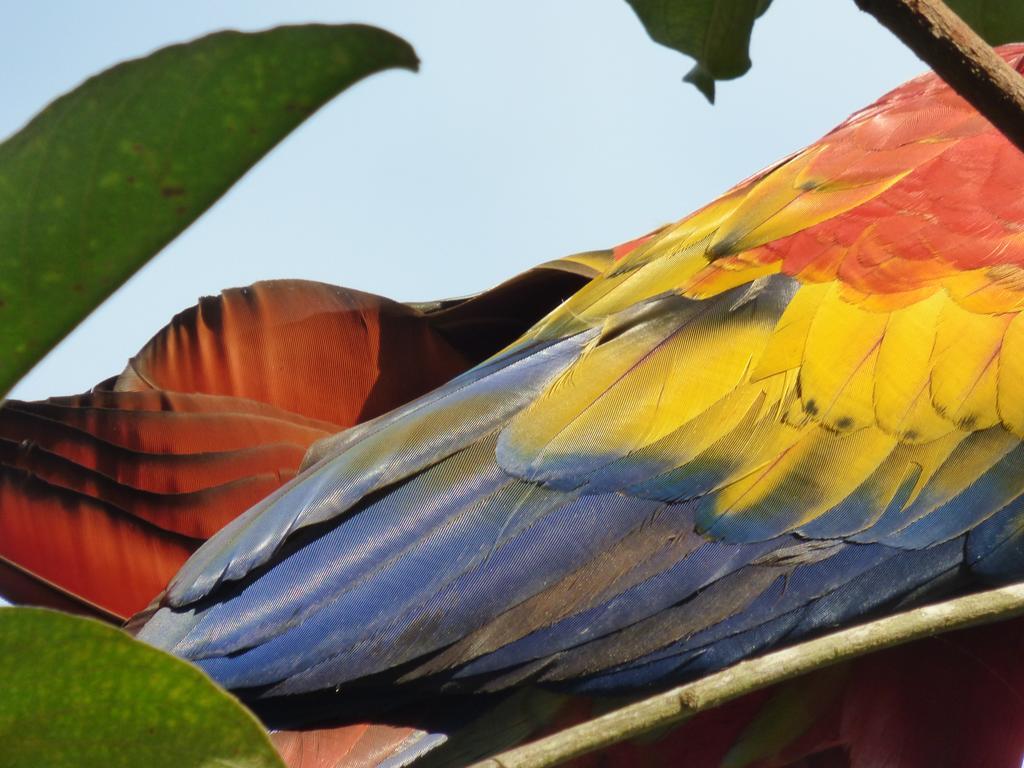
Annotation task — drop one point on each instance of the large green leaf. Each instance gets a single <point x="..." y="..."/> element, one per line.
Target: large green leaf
<point x="714" y="32"/>
<point x="78" y="692"/>
<point x="998" y="21"/>
<point x="108" y="174"/>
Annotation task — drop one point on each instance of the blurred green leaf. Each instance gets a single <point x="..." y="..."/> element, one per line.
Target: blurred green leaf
<point x="998" y="21"/>
<point x="78" y="692"/>
<point x="717" y="32"/>
<point x="714" y="32"/>
<point x="108" y="174"/>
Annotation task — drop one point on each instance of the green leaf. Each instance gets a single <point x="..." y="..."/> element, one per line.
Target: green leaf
<point x="998" y="21"/>
<point x="78" y="692"/>
<point x="108" y="174"/>
<point x="714" y="32"/>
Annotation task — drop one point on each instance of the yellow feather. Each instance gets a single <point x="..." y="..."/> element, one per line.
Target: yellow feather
<point x="989" y="290"/>
<point x="949" y="474"/>
<point x="702" y="224"/>
<point x="809" y="475"/>
<point x="789" y="199"/>
<point x="928" y="457"/>
<point x="785" y="349"/>
<point x="964" y="368"/>
<point x="902" y="401"/>
<point x="719" y="277"/>
<point x="618" y="290"/>
<point x="669" y="375"/>
<point x="698" y="435"/>
<point x="837" y="374"/>
<point x="1010" y="379"/>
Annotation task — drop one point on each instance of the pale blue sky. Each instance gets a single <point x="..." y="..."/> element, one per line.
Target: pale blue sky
<point x="534" y="129"/>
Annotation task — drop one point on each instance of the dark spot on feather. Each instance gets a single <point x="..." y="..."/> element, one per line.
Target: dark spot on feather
<point x="809" y="185"/>
<point x="172" y="190"/>
<point x="844" y="423"/>
<point x="212" y="313"/>
<point x="910" y="434"/>
<point x="967" y="422"/>
<point x="722" y="248"/>
<point x="811" y="407"/>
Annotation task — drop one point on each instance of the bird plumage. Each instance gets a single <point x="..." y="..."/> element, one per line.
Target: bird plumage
<point x="796" y="408"/>
<point x="791" y="409"/>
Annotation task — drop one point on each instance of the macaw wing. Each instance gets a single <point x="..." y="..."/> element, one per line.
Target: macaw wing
<point x="795" y="407"/>
<point x="103" y="496"/>
<point x="451" y="563"/>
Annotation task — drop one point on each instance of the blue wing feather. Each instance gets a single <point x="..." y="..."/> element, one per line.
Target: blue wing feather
<point x="425" y="558"/>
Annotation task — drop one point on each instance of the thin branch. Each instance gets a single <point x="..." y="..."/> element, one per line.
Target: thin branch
<point x="956" y="52"/>
<point x="685" y="701"/>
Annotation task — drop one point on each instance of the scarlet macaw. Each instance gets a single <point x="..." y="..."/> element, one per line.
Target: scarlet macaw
<point x="795" y="408"/>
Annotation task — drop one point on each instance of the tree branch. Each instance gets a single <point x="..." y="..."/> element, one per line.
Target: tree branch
<point x="685" y="701"/>
<point x="956" y="52"/>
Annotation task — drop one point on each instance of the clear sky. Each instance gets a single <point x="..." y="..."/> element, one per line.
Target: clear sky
<point x="534" y="129"/>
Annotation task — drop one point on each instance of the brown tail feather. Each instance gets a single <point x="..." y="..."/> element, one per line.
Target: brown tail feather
<point x="313" y="349"/>
<point x="104" y="495"/>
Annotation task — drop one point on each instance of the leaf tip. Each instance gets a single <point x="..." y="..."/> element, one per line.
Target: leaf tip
<point x="702" y="80"/>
